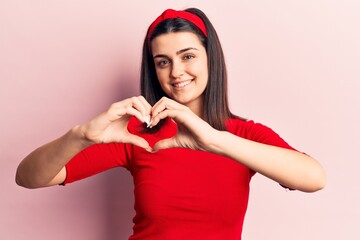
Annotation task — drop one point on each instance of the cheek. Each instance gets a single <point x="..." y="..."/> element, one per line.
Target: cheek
<point x="200" y="70"/>
<point x="199" y="67"/>
<point x="161" y="76"/>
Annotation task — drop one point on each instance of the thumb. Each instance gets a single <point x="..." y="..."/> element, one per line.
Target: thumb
<point x="139" y="141"/>
<point x="165" y="143"/>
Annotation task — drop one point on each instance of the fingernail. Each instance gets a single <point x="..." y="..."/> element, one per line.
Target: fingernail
<point x="147" y="120"/>
<point x="149" y="124"/>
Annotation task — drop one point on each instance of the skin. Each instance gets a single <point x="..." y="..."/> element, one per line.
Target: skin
<point x="181" y="67"/>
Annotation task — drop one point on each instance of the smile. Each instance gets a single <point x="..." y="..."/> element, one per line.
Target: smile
<point x="181" y="84"/>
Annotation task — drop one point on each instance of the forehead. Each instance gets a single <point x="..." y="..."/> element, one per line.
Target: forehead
<point x="172" y="42"/>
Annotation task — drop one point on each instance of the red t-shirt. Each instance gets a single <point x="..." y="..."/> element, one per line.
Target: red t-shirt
<point x="180" y="193"/>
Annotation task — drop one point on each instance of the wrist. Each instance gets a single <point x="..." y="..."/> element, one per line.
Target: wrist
<point x="217" y="142"/>
<point x="78" y="133"/>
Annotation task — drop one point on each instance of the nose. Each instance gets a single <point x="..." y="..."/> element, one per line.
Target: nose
<point x="177" y="69"/>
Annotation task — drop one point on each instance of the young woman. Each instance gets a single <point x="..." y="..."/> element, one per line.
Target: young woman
<point x="191" y="158"/>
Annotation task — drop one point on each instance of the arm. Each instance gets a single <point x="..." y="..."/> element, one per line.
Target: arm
<point x="46" y="165"/>
<point x="288" y="167"/>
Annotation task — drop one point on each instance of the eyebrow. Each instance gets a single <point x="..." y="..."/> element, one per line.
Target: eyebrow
<point x="177" y="53"/>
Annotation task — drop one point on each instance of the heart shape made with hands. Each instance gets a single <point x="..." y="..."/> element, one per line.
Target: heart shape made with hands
<point x="168" y="130"/>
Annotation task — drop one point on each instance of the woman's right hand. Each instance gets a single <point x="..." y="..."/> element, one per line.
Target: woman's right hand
<point x="111" y="125"/>
<point x="45" y="166"/>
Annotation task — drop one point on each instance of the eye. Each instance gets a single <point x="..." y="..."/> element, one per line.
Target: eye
<point x="188" y="57"/>
<point x="163" y="63"/>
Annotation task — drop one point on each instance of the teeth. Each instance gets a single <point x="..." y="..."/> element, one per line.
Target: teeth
<point x="182" y="84"/>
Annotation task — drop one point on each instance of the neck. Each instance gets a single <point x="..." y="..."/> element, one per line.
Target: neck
<point x="197" y="107"/>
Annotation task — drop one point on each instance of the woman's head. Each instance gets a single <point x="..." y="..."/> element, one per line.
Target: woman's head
<point x="182" y="68"/>
<point x="194" y="21"/>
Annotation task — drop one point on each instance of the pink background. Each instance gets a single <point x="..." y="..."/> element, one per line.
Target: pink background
<point x="293" y="65"/>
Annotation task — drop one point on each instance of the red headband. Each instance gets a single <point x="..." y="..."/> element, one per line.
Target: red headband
<point x="170" y="13"/>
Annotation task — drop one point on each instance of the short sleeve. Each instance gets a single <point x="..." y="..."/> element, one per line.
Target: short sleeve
<point x="97" y="158"/>
<point x="260" y="133"/>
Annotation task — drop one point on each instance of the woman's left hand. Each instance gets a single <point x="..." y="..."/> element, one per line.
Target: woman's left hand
<point x="193" y="132"/>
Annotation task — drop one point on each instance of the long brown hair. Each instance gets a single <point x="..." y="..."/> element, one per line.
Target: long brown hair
<point x="216" y="107"/>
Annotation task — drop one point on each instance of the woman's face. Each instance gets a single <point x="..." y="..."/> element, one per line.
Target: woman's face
<point x="181" y="67"/>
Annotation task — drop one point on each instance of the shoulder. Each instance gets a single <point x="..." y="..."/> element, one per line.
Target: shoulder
<point x="257" y="132"/>
<point x="250" y="129"/>
<point x="245" y="127"/>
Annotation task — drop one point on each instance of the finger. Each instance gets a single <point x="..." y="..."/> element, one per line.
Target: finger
<point x="140" y="104"/>
<point x="134" y="112"/>
<point x="164" y="103"/>
<point x="138" y="141"/>
<point x="165" y="144"/>
<point x="135" y="106"/>
<point x="147" y="117"/>
<point x="146" y="104"/>
<point x="135" y="102"/>
<point x="162" y="115"/>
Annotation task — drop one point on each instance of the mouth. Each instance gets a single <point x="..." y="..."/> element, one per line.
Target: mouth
<point x="181" y="84"/>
